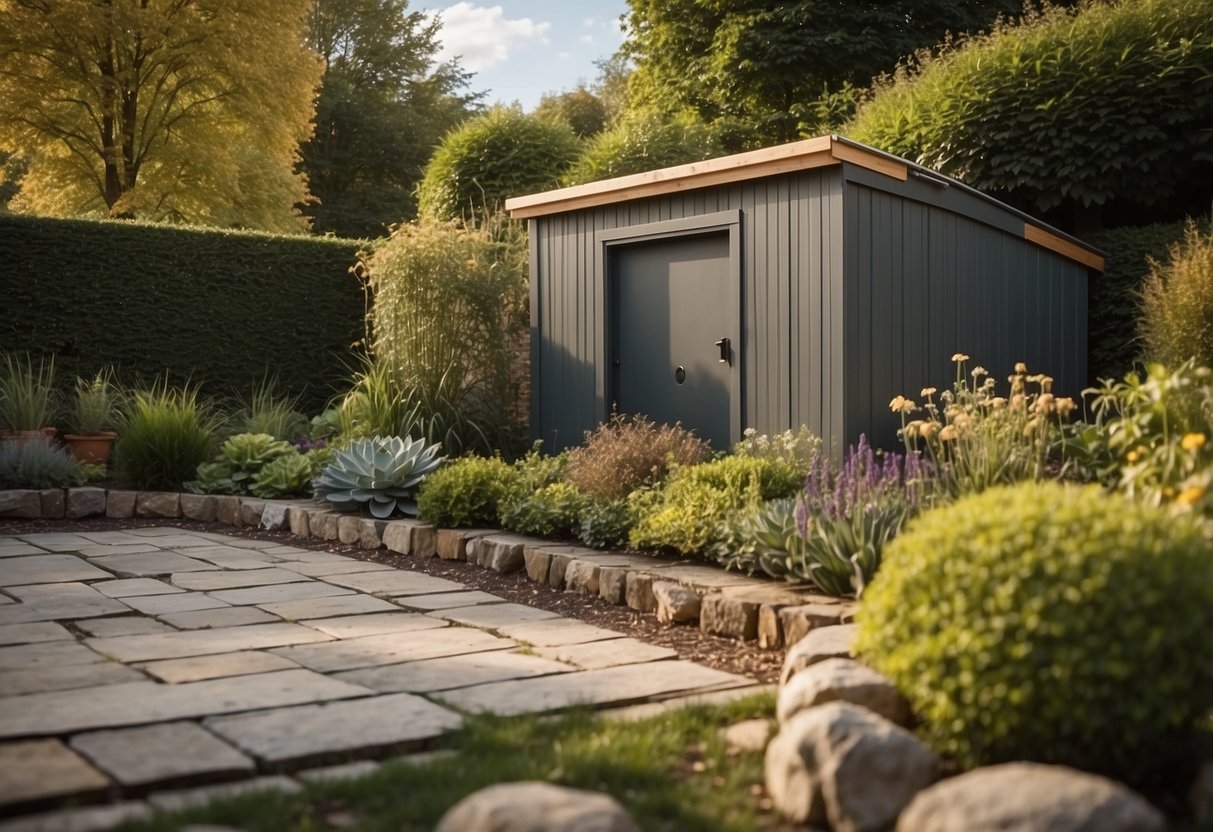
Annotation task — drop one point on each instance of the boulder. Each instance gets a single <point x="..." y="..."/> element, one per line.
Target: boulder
<point x="797" y="621"/>
<point x="842" y="680"/>
<point x="85" y="502"/>
<point x="227" y="510"/>
<point x="398" y="536"/>
<point x="613" y="584"/>
<point x="747" y="735"/>
<point x="729" y="615"/>
<point x="323" y="523"/>
<point x="53" y="503"/>
<point x="639" y="592"/>
<point x="20" y="503"/>
<point x="158" y="504"/>
<point x="425" y="540"/>
<point x="1029" y="797"/>
<point x="250" y="511"/>
<point x="537" y="562"/>
<point x="843" y="766"/>
<point x="200" y="507"/>
<point x="581" y="576"/>
<point x="298" y="518"/>
<point x="370" y="533"/>
<point x="820" y="644"/>
<point x="349" y="528"/>
<point x="120" y="504"/>
<point x="453" y="544"/>
<point x="500" y="552"/>
<point x="676" y="604"/>
<point x="273" y="516"/>
<point x="536" y="807"/>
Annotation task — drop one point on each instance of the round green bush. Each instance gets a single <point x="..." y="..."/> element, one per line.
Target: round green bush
<point x="493" y="156"/>
<point x="1049" y="623"/>
<point x="465" y="493"/>
<point x="641" y="142"/>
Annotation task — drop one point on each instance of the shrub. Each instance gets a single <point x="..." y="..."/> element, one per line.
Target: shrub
<point x="1078" y="108"/>
<point x="36" y="463"/>
<point x="1178" y="303"/>
<point x="164" y="434"/>
<point x="686" y="514"/>
<point x="28" y="400"/>
<point x="641" y="142"/>
<point x="799" y="448"/>
<point x="449" y="324"/>
<point x="286" y="476"/>
<point x="1047" y="623"/>
<point x="763" y="538"/>
<point x="465" y="493"/>
<point x="241" y="458"/>
<point x="380" y="474"/>
<point x="551" y="511"/>
<point x="95" y="404"/>
<point x="605" y="524"/>
<point x="493" y="156"/>
<point x="627" y="453"/>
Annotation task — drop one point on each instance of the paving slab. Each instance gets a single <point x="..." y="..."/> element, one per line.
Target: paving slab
<point x="197" y="669"/>
<point x="56" y="541"/>
<point x="279" y="592"/>
<point x="221" y="617"/>
<point x="48" y="602"/>
<point x="553" y="632"/>
<point x="395" y="582"/>
<point x="129" y="538"/>
<point x="610" y="686"/>
<point x="98" y="550"/>
<point x="46" y="654"/>
<point x="158" y="754"/>
<point x="611" y="653"/>
<point x="142" y="703"/>
<point x="229" y="557"/>
<point x="32" y="633"/>
<point x="339" y="773"/>
<point x="204" y="642"/>
<point x="80" y="819"/>
<point x="330" y="607"/>
<point x="183" y="602"/>
<point x="347" y="566"/>
<point x="11" y="547"/>
<point x="174" y="539"/>
<point x="448" y="600"/>
<point x="47" y="569"/>
<point x="315" y="733"/>
<point x="393" y="648"/>
<point x="492" y="616"/>
<point x="124" y="625"/>
<point x="38" y="770"/>
<point x="357" y="626"/>
<point x="67" y="677"/>
<point x="150" y="563"/>
<point x="134" y="587"/>
<point x="179" y="799"/>
<point x="236" y="578"/>
<point x="453" y="672"/>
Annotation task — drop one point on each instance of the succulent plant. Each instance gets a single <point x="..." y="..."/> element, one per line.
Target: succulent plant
<point x="380" y="473"/>
<point x="286" y="476"/>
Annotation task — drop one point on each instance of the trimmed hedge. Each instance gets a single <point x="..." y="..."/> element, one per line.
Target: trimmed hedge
<point x="216" y="307"/>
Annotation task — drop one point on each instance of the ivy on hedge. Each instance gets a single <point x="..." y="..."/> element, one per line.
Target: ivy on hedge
<point x="216" y="307"/>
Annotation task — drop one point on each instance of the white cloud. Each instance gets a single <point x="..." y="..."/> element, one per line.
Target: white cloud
<point x="564" y="56"/>
<point x="589" y="22"/>
<point x="586" y="38"/>
<point x="482" y="35"/>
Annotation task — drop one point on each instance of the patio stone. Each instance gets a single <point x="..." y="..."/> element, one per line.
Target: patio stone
<point x="169" y="604"/>
<point x="200" y="507"/>
<point x="328" y="607"/>
<point x="315" y="733"/>
<point x="179" y="799"/>
<point x="81" y="819"/>
<point x="47" y="569"/>
<point x="229" y="557"/>
<point x="46" y="654"/>
<point x="701" y="578"/>
<point x="200" y="668"/>
<point x="610" y="653"/>
<point x="492" y="616"/>
<point x="171" y="752"/>
<point x="24" y="503"/>
<point x="32" y="633"/>
<point x="357" y="626"/>
<point x="142" y="703"/>
<point x="255" y="595"/>
<point x="203" y="642"/>
<point x="158" y="504"/>
<point x="448" y="600"/>
<point x="453" y="672"/>
<point x="339" y="773"/>
<point x="11" y="547"/>
<point x="352" y="653"/>
<point x="52" y="502"/>
<point x="615" y="685"/>
<point x="553" y="632"/>
<point x="100" y="550"/>
<point x="221" y="617"/>
<point x="395" y="582"/>
<point x="39" y="679"/>
<point x="336" y="566"/>
<point x="47" y="602"/>
<point x="134" y="587"/>
<point x="125" y="625"/>
<point x="233" y="579"/>
<point x="85" y="502"/>
<point x="38" y="770"/>
<point x="150" y="563"/>
<point x="120" y="504"/>
<point x="56" y="541"/>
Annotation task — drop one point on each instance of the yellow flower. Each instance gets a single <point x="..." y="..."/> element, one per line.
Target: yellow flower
<point x="1044" y="403"/>
<point x="1017" y="401"/>
<point x="997" y="402"/>
<point x="902" y="405"/>
<point x="927" y="392"/>
<point x="948" y="433"/>
<point x="929" y="429"/>
<point x="978" y="372"/>
<point x="914" y="428"/>
<point x="1065" y="406"/>
<point x="1133" y="455"/>
<point x="1020" y="367"/>
<point x="959" y="357"/>
<point x="1193" y="441"/>
<point x="963" y="421"/>
<point x="1190" y="495"/>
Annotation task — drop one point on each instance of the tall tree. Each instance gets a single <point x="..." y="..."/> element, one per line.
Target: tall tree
<point x="758" y="68"/>
<point x="180" y="110"/>
<point x="384" y="105"/>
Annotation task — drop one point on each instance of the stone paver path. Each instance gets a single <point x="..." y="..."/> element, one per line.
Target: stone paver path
<point x="156" y="668"/>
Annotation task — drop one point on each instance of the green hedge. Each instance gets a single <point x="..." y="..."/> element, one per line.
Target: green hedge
<point x="217" y="307"/>
<point x="1114" y="299"/>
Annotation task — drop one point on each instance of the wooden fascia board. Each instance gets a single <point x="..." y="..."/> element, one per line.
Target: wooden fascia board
<point x="1072" y="251"/>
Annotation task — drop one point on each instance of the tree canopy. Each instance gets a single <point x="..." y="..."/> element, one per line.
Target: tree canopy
<point x="159" y="109"/>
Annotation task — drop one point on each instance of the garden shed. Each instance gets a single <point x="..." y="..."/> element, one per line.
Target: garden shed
<point x="807" y="283"/>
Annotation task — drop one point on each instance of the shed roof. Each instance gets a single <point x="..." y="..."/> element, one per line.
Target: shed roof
<point x="821" y="151"/>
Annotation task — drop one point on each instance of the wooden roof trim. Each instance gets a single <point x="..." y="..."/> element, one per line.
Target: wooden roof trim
<point x="1060" y="245"/>
<point x="786" y="158"/>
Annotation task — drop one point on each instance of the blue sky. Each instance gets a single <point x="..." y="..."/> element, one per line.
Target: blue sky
<point x="520" y="49"/>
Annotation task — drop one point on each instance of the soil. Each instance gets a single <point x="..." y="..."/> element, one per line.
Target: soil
<point x="733" y="656"/>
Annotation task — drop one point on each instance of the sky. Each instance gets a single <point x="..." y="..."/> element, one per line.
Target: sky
<point x="521" y="49"/>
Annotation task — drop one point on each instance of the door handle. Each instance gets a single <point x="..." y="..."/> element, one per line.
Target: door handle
<point x="723" y="346"/>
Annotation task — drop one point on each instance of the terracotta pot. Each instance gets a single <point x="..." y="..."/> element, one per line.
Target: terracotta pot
<point x="93" y="448"/>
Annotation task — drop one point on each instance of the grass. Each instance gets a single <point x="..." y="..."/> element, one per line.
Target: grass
<point x="673" y="772"/>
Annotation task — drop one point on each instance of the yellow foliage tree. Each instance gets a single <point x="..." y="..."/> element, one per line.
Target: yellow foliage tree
<point x="165" y="110"/>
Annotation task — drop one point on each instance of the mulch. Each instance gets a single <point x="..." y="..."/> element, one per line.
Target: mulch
<point x="729" y="655"/>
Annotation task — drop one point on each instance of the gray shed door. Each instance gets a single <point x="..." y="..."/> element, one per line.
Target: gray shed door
<point x="672" y="310"/>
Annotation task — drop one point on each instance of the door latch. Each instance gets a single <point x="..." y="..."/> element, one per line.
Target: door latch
<point x="725" y="357"/>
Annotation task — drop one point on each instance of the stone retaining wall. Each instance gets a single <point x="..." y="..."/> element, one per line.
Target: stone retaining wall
<point x="678" y="591"/>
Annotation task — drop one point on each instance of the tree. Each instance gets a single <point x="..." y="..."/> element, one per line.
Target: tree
<point x="579" y="108"/>
<point x="755" y="68"/>
<point x="383" y="107"/>
<point x="180" y="110"/>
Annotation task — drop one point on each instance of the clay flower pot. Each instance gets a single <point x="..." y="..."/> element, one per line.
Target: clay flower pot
<point x="92" y="448"/>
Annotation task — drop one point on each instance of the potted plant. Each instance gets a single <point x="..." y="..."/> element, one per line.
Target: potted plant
<point x="27" y="397"/>
<point x="92" y="417"/>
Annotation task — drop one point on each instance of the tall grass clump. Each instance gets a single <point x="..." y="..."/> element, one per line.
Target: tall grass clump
<point x="448" y="330"/>
<point x="1177" y="303"/>
<point x="164" y="434"/>
<point x="28" y="400"/>
<point x="269" y="410"/>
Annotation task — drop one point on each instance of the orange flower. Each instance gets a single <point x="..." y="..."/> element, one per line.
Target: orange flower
<point x="1193" y="442"/>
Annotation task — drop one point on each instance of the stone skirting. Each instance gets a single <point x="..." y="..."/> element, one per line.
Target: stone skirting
<point x="677" y="591"/>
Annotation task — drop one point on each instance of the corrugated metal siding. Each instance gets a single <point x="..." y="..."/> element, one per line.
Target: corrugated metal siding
<point x="923" y="283"/>
<point x="792" y="275"/>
